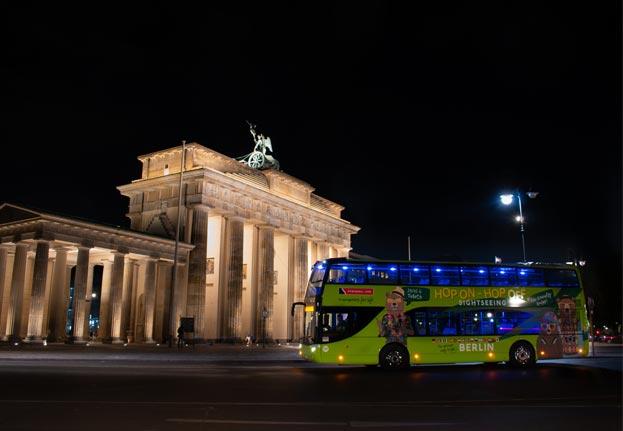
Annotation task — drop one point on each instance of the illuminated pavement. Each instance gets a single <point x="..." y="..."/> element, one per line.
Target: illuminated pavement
<point x="231" y="388"/>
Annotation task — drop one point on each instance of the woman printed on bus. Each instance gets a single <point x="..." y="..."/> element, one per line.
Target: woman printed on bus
<point x="395" y="325"/>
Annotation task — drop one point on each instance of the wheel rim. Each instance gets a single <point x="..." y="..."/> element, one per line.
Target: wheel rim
<point x="256" y="160"/>
<point x="522" y="355"/>
<point x="394" y="359"/>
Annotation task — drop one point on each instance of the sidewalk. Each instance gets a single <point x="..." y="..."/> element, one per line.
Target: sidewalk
<point x="155" y="353"/>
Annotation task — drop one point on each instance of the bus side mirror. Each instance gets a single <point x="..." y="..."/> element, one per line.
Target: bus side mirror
<point x="294" y="306"/>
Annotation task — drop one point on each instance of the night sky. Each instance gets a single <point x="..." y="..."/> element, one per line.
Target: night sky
<point x="414" y="119"/>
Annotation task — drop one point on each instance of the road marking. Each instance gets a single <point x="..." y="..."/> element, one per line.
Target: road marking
<point x="352" y="424"/>
<point x="572" y="402"/>
<point x="363" y="424"/>
<point x="239" y="422"/>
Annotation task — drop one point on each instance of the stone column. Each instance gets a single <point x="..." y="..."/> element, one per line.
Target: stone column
<point x="128" y="283"/>
<point x="4" y="260"/>
<point x="301" y="275"/>
<point x="195" y="305"/>
<point x="265" y="274"/>
<point x="103" y="334"/>
<point x="179" y="296"/>
<point x="323" y="251"/>
<point x="231" y="306"/>
<point x="150" y="298"/>
<point x="133" y="336"/>
<point x="116" y="296"/>
<point x="39" y="280"/>
<point x="343" y="251"/>
<point x="59" y="297"/>
<point x="14" y="313"/>
<point x="80" y="290"/>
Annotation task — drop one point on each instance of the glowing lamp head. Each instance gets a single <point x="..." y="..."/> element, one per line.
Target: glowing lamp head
<point x="416" y="356"/>
<point x="542" y="353"/>
<point x="340" y="358"/>
<point x="506" y="199"/>
<point x="490" y="354"/>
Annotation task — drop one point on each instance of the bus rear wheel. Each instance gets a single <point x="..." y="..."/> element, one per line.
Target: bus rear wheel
<point x="522" y="355"/>
<point x="394" y="356"/>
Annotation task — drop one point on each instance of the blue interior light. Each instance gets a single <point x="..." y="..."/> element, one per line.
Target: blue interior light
<point x="502" y="272"/>
<point x="482" y="271"/>
<point x="319" y="267"/>
<point x="393" y="268"/>
<point x="416" y="269"/>
<point x="344" y="268"/>
<point x="522" y="272"/>
<point x="437" y="269"/>
<point x="369" y="268"/>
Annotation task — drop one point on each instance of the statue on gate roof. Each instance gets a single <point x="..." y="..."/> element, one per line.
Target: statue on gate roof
<point x="258" y="159"/>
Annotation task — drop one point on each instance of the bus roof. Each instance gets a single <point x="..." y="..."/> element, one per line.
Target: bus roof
<point x="336" y="260"/>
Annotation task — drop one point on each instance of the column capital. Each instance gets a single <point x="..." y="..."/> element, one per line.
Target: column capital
<point x="233" y="217"/>
<point x="121" y="251"/>
<point x="61" y="248"/>
<point x="266" y="227"/>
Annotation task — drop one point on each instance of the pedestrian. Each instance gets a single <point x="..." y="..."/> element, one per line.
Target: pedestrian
<point x="180" y="337"/>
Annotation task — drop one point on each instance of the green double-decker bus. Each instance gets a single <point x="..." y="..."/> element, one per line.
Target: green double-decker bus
<point x="396" y="314"/>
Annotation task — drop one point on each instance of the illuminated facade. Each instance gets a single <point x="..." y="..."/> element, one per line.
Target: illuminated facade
<point x="248" y="238"/>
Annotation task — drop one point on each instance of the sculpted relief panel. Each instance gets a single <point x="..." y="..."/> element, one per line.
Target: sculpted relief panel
<point x="303" y="221"/>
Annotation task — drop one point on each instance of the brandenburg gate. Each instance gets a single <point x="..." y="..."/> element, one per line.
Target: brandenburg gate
<point x="248" y="236"/>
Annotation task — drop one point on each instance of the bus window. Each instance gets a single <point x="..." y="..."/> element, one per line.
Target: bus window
<point x="418" y="321"/>
<point x="477" y="322"/>
<point x="561" y="278"/>
<point x="337" y="323"/>
<point x="474" y="276"/>
<point x="414" y="275"/>
<point x="507" y="321"/>
<point x="382" y="274"/>
<point x="445" y="275"/>
<point x="501" y="276"/>
<point x="442" y="323"/>
<point x="530" y="277"/>
<point x="347" y="274"/>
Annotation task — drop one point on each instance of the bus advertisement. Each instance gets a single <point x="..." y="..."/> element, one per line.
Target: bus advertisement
<point x="396" y="314"/>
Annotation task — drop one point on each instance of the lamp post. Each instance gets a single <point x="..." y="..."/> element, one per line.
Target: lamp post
<point x="171" y="325"/>
<point x="507" y="199"/>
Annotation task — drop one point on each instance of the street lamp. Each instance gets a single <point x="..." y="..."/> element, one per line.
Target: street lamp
<point x="507" y="199"/>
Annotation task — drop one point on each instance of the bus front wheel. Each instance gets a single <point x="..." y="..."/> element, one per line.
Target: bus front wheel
<point x="394" y="356"/>
<point x="522" y="355"/>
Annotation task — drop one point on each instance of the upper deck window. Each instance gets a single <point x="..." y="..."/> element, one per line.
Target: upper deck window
<point x="445" y="275"/>
<point x="530" y="277"/>
<point x="382" y="274"/>
<point x="561" y="278"/>
<point x="347" y="274"/>
<point x="503" y="276"/>
<point x="474" y="276"/>
<point x="415" y="274"/>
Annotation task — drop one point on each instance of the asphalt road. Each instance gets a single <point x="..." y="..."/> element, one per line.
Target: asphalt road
<point x="271" y="389"/>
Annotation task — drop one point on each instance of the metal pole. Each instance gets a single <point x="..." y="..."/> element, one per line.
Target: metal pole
<point x="523" y="240"/>
<point x="177" y="240"/>
<point x="409" y="246"/>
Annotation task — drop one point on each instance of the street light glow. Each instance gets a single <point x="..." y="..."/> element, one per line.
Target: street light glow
<point x="506" y="199"/>
<point x="518" y="219"/>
